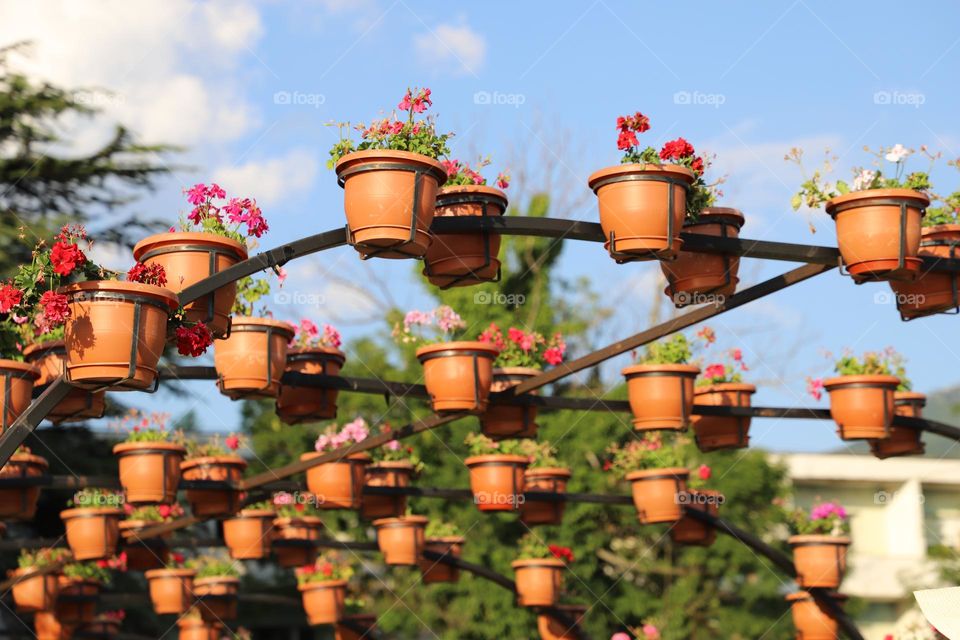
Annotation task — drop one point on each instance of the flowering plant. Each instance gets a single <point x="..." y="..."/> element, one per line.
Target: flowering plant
<point x="117" y="616"/>
<point x="646" y="452"/>
<point x="176" y="561"/>
<point x="211" y="447"/>
<point x="95" y="498"/>
<point x="42" y="557"/>
<point x="460" y="173"/>
<point x="333" y="438"/>
<point x="674" y="350"/>
<point x="88" y="571"/>
<point x="153" y="512"/>
<point x="425" y="327"/>
<point x="481" y="445"/>
<point x="250" y="291"/>
<point x="440" y="529"/>
<point x="143" y="427"/>
<point x="327" y="567"/>
<point x="213" y="567"/>
<point x="872" y="363"/>
<point x="729" y="370"/>
<point x="825" y="518"/>
<point x="307" y="335"/>
<point x="648" y="631"/>
<point x="533" y="548"/>
<point x="699" y="478"/>
<point x="542" y="454"/>
<point x="395" y="134"/>
<point x="524" y="349"/>
<point x="396" y="451"/>
<point x="289" y="505"/>
<point x="213" y="213"/>
<point x="948" y="209"/>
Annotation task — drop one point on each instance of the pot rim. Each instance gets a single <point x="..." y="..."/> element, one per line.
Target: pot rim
<point x="640" y="369"/>
<point x="556" y="472"/>
<point x="38" y="350"/>
<point x="124" y="447"/>
<point x="254" y="514"/>
<point x="819" y="538"/>
<point x="675" y="170"/>
<point x="24" y="367"/>
<point x="117" y="286"/>
<point x="878" y="380"/>
<point x="164" y="573"/>
<point x="718" y="215"/>
<point x="228" y="460"/>
<point x="516" y="371"/>
<point x="535" y="562"/>
<point x="458" y="345"/>
<point x="196" y="237"/>
<point x="446" y="540"/>
<point x="725" y="386"/>
<point x="393" y="465"/>
<point x="941" y="229"/>
<point x="27" y="458"/>
<point x="238" y="321"/>
<point x="77" y="512"/>
<point x="411" y="520"/>
<point x="910" y="397"/>
<point x="322" y="584"/>
<point x="677" y="472"/>
<point x="302" y="520"/>
<point x="318" y="351"/>
<point x="359" y="456"/>
<point x="368" y="155"/>
<point x="869" y="194"/>
<point x="507" y="459"/>
<point x="215" y="580"/>
<point x="805" y="595"/>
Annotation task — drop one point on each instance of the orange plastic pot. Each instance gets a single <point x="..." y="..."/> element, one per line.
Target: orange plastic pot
<point x="810" y="621"/>
<point x="149" y="471"/>
<point x="820" y="560"/>
<point x="249" y="534"/>
<point x="189" y="257"/>
<point x="552" y="629"/>
<point x="34" y="592"/>
<point x="722" y="432"/>
<point x="294" y="539"/>
<point x="655" y="493"/>
<point x="251" y="361"/>
<point x="544" y="480"/>
<point x="463" y="259"/>
<point x="47" y="626"/>
<point x="497" y="481"/>
<point x="509" y="421"/>
<point x="194" y="629"/>
<point x="538" y="581"/>
<point x="365" y="621"/>
<point x="642" y="209"/>
<point x="902" y="441"/>
<point x="209" y="503"/>
<point x="661" y="395"/>
<point x="692" y="276"/>
<point x="217" y="597"/>
<point x="76" y="600"/>
<point x="337" y="485"/>
<point x="16" y="389"/>
<point x="323" y="601"/>
<point x="862" y="406"/>
<point x="435" y="571"/>
<point x="305" y="404"/>
<point x="20" y="503"/>
<point x="171" y="590"/>
<point x="389" y="198"/>
<point x="458" y="375"/>
<point x="401" y="539"/>
<point x="386" y="474"/>
<point x="80" y="404"/>
<point x="933" y="291"/>
<point x="691" y="531"/>
<point x="145" y="554"/>
<point x="116" y="333"/>
<point x="878" y="232"/>
<point x="92" y="532"/>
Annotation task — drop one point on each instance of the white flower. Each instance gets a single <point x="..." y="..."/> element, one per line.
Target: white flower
<point x="863" y="179"/>
<point x="897" y="153"/>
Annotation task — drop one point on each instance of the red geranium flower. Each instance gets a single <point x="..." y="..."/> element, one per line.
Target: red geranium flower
<point x="193" y="341"/>
<point x="677" y="150"/>
<point x="148" y="274"/>
<point x="65" y="257"/>
<point x="10" y="297"/>
<point x="55" y="307"/>
<point x="232" y="442"/>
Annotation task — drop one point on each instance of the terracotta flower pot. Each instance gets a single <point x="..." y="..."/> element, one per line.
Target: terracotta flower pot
<point x="538" y="581"/>
<point x="171" y="590"/>
<point x="249" y="534"/>
<point x="251" y="361"/>
<point x="145" y="554"/>
<point x="386" y="474"/>
<point x="323" y="601"/>
<point x="401" y="539"/>
<point x="337" y="485"/>
<point x="933" y="291"/>
<point x="116" y="333"/>
<point x="34" y="592"/>
<point x="435" y="571"/>
<point x="193" y="629"/>
<point x="655" y="493"/>
<point x="92" y="532"/>
<point x="217" y="597"/>
<point x="552" y="629"/>
<point x="463" y="259"/>
<point x="497" y="481"/>
<point x="810" y="621"/>
<point x="661" y="395"/>
<point x="366" y="621"/>
<point x="307" y="404"/>
<point x="691" y="531"/>
<point x="820" y="560"/>
<point x="149" y="471"/>
<point x="875" y="241"/>
<point x="694" y="275"/>
<point x="16" y="389"/>
<point x="294" y="539"/>
<point x="545" y="480"/>
<point x="20" y="503"/>
<point x="47" y="626"/>
<point x="458" y="375"/>
<point x="862" y="406"/>
<point x="189" y="257"/>
<point x="79" y="405"/>
<point x="722" y="432"/>
<point x="389" y="198"/>
<point x="76" y="600"/>
<point x="902" y="441"/>
<point x="509" y="421"/>
<point x="209" y="503"/>
<point x="642" y="209"/>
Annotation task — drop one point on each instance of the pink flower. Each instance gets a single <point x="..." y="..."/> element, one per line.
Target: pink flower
<point x="503" y="180"/>
<point x="308" y="327"/>
<point x="715" y="371"/>
<point x="515" y="335"/>
<point x="704" y="472"/>
<point x="815" y="387"/>
<point x="736" y="354"/>
<point x="826" y="510"/>
<point x="55" y="307"/>
<point x="232" y="442"/>
<point x="393" y="445"/>
<point x="281" y="275"/>
<point x="216" y="191"/>
<point x="197" y="195"/>
<point x="331" y="337"/>
<point x="620" y="635"/>
<point x="651" y="632"/>
<point x="323" y="441"/>
<point x="553" y="356"/>
<point x="526" y="343"/>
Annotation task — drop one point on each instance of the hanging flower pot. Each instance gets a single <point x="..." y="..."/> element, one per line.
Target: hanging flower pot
<point x="538" y="581"/>
<point x="116" y="333"/>
<point x="189" y="257"/>
<point x="251" y="361"/>
<point x="248" y="535"/>
<point x="661" y="395"/>
<point x="80" y="404"/>
<point x="933" y="291"/>
<point x="693" y="276"/>
<point x="690" y="531"/>
<point x="294" y="540"/>
<point x="143" y="554"/>
<point x="386" y="474"/>
<point x="20" y="503"/>
<point x="463" y="259"/>
<point x="655" y="493"/>
<point x="862" y="405"/>
<point x="34" y="591"/>
<point x="497" y="480"/>
<point x="401" y="539"/>
<point x="93" y="531"/>
<point x="171" y="590"/>
<point x="551" y="628"/>
<point x="544" y="480"/>
<point x="810" y="620"/>
<point x="435" y="571"/>
<point x="76" y="600"/>
<point x="722" y="432"/>
<point x="458" y="375"/>
<point x="16" y="389"/>
<point x="209" y="503"/>
<point x="149" y="471"/>
<point x="510" y="421"/>
<point x="365" y="621"/>
<point x="47" y="626"/>
<point x="337" y="485"/>
<point x="307" y="404"/>
<point x="198" y="629"/>
<point x="821" y="560"/>
<point x="323" y="601"/>
<point x="902" y="441"/>
<point x="217" y="597"/>
<point x="878" y="232"/>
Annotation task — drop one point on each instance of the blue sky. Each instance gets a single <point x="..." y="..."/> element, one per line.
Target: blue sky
<point x="248" y="86"/>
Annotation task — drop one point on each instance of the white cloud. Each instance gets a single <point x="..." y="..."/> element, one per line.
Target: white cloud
<point x="461" y="46"/>
<point x="271" y="180"/>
